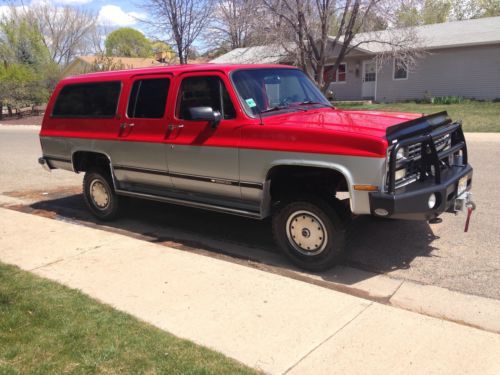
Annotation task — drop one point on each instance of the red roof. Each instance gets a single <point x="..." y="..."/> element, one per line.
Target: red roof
<point x="173" y="69"/>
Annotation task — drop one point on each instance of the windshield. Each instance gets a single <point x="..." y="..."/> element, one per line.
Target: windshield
<point x="266" y="90"/>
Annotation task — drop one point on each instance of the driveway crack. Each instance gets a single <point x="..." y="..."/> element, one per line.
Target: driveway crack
<point x="80" y="252"/>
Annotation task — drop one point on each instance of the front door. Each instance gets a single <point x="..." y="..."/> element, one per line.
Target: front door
<point x="369" y="79"/>
<point x="203" y="158"/>
<point x="139" y="158"/>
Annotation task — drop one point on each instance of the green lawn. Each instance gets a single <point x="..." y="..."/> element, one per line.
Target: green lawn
<point x="46" y="328"/>
<point x="476" y="116"/>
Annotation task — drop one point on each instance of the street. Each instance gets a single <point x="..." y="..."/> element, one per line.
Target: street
<point x="438" y="254"/>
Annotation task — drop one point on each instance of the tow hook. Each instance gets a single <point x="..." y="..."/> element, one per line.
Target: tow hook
<point x="465" y="202"/>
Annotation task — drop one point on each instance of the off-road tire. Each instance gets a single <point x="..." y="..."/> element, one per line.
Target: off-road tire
<point x="317" y="218"/>
<point x="98" y="182"/>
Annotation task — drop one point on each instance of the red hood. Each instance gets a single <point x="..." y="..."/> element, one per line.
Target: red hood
<point x="371" y="123"/>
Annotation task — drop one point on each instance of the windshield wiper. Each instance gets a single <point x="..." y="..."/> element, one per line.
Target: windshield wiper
<point x="306" y="102"/>
<point x="275" y="108"/>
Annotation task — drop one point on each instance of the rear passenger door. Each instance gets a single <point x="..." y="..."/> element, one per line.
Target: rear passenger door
<point x="140" y="159"/>
<point x="204" y="159"/>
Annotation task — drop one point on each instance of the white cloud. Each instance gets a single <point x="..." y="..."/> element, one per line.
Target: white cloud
<point x="113" y="15"/>
<point x="6" y="9"/>
<point x="73" y="2"/>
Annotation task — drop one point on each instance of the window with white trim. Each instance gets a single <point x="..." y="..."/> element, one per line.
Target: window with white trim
<point x="336" y="77"/>
<point x="400" y="69"/>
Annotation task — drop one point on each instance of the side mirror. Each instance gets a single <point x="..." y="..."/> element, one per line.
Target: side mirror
<point x="205" y="114"/>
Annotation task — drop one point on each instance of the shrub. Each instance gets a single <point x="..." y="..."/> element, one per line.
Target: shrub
<point x="447" y="100"/>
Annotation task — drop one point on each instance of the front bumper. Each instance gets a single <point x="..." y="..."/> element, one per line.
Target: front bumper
<point x="411" y="201"/>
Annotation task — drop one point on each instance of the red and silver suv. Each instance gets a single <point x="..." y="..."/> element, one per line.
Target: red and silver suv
<point x="255" y="141"/>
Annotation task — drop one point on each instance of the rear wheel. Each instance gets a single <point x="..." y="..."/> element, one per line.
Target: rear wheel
<point x="310" y="232"/>
<point x="99" y="194"/>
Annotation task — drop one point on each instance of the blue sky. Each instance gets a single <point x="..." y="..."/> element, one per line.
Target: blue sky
<point x="110" y="13"/>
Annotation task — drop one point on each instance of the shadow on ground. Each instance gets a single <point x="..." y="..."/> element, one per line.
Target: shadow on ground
<point x="375" y="245"/>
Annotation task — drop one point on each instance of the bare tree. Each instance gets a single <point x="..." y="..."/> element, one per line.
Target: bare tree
<point x="66" y="30"/>
<point x="182" y="21"/>
<point x="314" y="29"/>
<point x="235" y="23"/>
<point x="95" y="39"/>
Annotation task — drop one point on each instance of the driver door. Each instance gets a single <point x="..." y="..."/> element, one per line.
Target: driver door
<point x="203" y="159"/>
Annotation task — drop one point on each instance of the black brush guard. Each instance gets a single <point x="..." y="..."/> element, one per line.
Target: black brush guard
<point x="436" y="175"/>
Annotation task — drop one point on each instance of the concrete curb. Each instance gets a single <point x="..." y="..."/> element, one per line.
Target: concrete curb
<point x="474" y="311"/>
<point x="20" y="126"/>
<point x="470" y="310"/>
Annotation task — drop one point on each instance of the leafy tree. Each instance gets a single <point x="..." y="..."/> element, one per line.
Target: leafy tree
<point x="416" y="13"/>
<point x="128" y="42"/>
<point x="165" y="49"/>
<point x="27" y="72"/>
<point x="424" y="12"/>
<point x="21" y="42"/>
<point x="436" y="11"/>
<point x="489" y="8"/>
<point x="21" y="86"/>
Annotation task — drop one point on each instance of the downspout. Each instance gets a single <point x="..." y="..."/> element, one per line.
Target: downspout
<point x="376" y="81"/>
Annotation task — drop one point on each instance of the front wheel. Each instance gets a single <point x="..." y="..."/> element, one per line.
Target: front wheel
<point x="310" y="232"/>
<point x="99" y="194"/>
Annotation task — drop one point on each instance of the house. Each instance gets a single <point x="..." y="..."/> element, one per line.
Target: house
<point x="460" y="58"/>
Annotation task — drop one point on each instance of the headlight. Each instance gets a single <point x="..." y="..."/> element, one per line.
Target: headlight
<point x="400" y="173"/>
<point x="400" y="154"/>
<point x="431" y="202"/>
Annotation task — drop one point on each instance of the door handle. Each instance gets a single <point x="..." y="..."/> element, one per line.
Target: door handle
<point x="173" y="126"/>
<point x="123" y="125"/>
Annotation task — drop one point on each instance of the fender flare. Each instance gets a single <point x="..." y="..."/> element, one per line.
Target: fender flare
<point x="304" y="163"/>
<point x="98" y="152"/>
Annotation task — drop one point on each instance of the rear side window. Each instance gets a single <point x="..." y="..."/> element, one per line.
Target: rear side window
<point x="98" y="99"/>
<point x="148" y="98"/>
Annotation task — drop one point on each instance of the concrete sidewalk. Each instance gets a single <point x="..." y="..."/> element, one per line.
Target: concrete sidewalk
<point x="266" y="321"/>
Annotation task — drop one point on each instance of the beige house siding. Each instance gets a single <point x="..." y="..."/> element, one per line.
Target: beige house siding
<point x="351" y="88"/>
<point x="471" y="72"/>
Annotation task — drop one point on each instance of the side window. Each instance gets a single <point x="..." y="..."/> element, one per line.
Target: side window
<point x="148" y="98"/>
<point x="98" y="99"/>
<point x="205" y="92"/>
<point x="400" y="70"/>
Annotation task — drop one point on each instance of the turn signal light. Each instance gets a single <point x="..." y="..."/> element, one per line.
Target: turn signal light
<point x="366" y="187"/>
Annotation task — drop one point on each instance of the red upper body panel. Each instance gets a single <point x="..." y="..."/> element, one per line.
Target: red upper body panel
<point x="313" y="130"/>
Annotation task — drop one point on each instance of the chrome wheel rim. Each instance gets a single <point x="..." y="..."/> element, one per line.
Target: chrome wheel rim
<point x="99" y="194"/>
<point x="306" y="232"/>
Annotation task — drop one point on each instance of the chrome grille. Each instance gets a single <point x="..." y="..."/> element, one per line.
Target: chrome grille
<point x="414" y="151"/>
